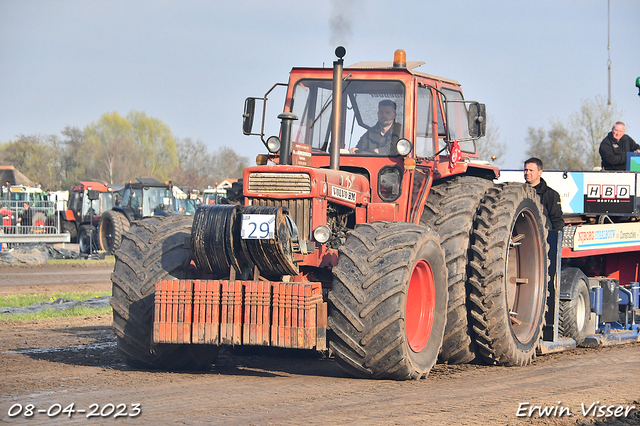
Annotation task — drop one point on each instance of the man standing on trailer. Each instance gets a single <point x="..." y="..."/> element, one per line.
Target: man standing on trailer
<point x="614" y="148"/>
<point x="549" y="198"/>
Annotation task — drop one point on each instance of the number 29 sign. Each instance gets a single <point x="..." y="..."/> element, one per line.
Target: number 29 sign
<point x="258" y="226"/>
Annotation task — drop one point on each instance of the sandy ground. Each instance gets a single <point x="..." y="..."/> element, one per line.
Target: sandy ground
<point x="55" y="363"/>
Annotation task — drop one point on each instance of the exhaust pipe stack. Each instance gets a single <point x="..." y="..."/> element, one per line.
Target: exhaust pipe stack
<point x="285" y="133"/>
<point x="336" y="110"/>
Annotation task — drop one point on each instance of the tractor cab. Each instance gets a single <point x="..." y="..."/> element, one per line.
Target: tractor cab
<point x="145" y="198"/>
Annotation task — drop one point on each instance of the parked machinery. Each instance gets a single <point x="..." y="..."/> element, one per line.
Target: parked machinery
<point x="87" y="201"/>
<point x="43" y="217"/>
<point x="142" y="199"/>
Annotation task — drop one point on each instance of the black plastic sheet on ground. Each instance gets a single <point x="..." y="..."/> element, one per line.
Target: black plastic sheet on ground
<point x="58" y="304"/>
<point x="41" y="253"/>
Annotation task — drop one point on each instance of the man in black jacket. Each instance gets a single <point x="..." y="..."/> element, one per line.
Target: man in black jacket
<point x="382" y="137"/>
<point x="614" y="148"/>
<point x="549" y="198"/>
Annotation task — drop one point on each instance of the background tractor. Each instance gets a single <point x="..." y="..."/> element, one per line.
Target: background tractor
<point x="387" y="257"/>
<point x="87" y="201"/>
<point x="142" y="199"/>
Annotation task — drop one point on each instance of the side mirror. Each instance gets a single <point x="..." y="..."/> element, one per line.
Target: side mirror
<point x="92" y="194"/>
<point x="477" y="118"/>
<point x="247" y="117"/>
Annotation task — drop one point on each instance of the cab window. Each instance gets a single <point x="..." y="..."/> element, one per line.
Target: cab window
<point x="366" y="105"/>
<point x="424" y="123"/>
<point x="457" y="121"/>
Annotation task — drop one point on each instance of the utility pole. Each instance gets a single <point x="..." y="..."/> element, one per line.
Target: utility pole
<point x="609" y="47"/>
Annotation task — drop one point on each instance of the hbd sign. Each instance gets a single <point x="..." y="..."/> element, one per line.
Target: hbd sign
<point x="608" y="192"/>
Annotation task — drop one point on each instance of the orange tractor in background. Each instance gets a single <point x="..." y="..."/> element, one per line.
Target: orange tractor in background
<point x="87" y="201"/>
<point x="387" y="257"/>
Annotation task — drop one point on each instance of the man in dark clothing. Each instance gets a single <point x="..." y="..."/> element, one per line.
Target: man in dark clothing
<point x="549" y="198"/>
<point x="25" y="219"/>
<point x="614" y="148"/>
<point x="382" y="137"/>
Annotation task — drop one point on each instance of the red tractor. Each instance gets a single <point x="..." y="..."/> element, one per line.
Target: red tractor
<point x="370" y="230"/>
<point x="87" y="201"/>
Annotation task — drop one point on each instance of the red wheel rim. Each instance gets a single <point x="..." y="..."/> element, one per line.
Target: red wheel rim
<point x="421" y="305"/>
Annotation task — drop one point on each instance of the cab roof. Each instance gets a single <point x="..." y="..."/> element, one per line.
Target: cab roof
<point x="388" y="65"/>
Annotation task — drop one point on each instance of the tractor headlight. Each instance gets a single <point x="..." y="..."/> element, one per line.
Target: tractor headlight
<point x="322" y="234"/>
<point x="404" y="147"/>
<point x="273" y="144"/>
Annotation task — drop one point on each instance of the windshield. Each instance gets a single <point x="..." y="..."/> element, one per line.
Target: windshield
<point x="186" y="206"/>
<point x="373" y="115"/>
<point x="154" y="198"/>
<point x="106" y="201"/>
<point x="90" y="207"/>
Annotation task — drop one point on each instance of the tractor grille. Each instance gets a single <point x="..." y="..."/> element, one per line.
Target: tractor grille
<point x="279" y="183"/>
<point x="299" y="210"/>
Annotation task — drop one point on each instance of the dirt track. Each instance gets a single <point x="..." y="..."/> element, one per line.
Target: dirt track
<point x="75" y="361"/>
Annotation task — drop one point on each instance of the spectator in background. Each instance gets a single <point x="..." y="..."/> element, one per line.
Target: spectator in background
<point x="614" y="148"/>
<point x="25" y="218"/>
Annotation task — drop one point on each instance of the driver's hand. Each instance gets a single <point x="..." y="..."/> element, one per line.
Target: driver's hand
<point x="353" y="150"/>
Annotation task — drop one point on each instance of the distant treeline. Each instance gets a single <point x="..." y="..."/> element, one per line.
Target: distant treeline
<point x="116" y="149"/>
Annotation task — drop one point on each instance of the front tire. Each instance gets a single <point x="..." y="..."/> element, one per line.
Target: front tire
<point x="509" y="274"/>
<point x="575" y="312"/>
<point x="152" y="250"/>
<point x="87" y="239"/>
<point x="388" y="301"/>
<point x="113" y="225"/>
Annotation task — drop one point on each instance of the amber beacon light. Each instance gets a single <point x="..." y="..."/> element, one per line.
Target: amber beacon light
<point x="400" y="59"/>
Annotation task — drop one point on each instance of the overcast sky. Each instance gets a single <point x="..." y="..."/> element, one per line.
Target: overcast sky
<point x="192" y="63"/>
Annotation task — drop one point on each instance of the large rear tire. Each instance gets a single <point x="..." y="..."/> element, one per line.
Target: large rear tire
<point x="388" y="301"/>
<point x="574" y="313"/>
<point x="509" y="276"/>
<point x="70" y="228"/>
<point x="153" y="249"/>
<point x="451" y="210"/>
<point x="113" y="225"/>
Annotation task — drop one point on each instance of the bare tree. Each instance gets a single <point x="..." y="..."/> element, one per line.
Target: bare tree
<point x="592" y="123"/>
<point x="574" y="144"/>
<point x="228" y="164"/>
<point x="195" y="164"/>
<point x="558" y="148"/>
<point x="490" y="145"/>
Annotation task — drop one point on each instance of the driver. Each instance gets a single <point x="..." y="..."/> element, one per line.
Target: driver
<point x="381" y="138"/>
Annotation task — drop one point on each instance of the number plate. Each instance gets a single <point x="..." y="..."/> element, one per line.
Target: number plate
<point x="258" y="226"/>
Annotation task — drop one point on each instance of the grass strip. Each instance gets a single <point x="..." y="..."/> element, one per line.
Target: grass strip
<point x="54" y="313"/>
